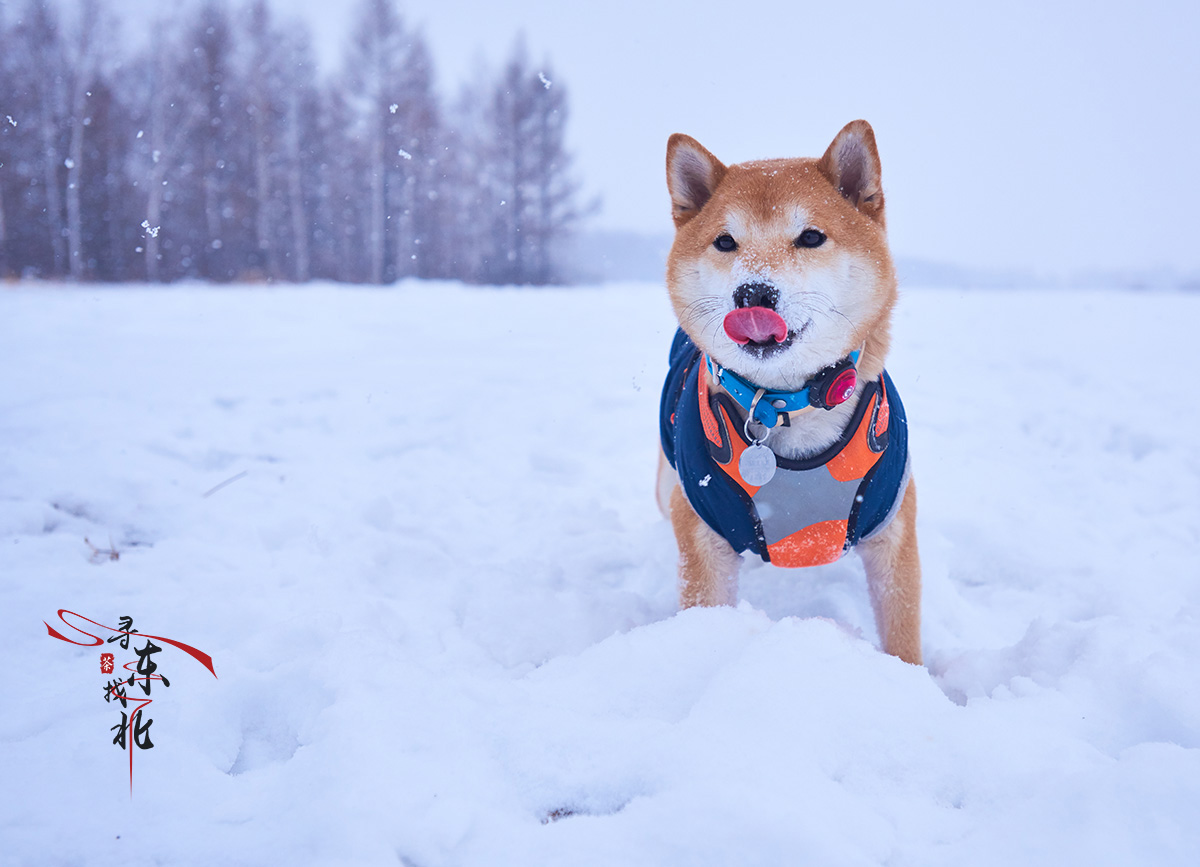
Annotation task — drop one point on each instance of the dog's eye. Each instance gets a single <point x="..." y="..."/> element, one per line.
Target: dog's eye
<point x="725" y="243"/>
<point x="810" y="238"/>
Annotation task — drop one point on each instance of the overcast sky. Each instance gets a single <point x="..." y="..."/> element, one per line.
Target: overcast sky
<point x="1057" y="136"/>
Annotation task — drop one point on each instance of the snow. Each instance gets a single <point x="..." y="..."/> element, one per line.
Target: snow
<point x="415" y="529"/>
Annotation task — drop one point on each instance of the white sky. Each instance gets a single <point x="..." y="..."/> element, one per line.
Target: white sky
<point x="1058" y="136"/>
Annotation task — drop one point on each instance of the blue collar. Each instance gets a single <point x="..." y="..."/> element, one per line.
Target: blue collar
<point x="771" y="403"/>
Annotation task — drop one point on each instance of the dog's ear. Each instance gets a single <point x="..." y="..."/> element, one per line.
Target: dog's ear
<point x="852" y="166"/>
<point x="692" y="175"/>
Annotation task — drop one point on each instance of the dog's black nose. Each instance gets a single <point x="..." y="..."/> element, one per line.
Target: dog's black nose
<point x="756" y="295"/>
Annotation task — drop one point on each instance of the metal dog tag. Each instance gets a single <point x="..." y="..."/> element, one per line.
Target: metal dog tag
<point x="757" y="465"/>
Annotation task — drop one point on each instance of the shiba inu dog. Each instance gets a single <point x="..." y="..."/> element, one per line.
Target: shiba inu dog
<point x="782" y="433"/>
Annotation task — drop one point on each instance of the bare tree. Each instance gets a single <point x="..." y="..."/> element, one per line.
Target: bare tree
<point x="300" y="103"/>
<point x="111" y="210"/>
<point x="530" y="191"/>
<point x="215" y="153"/>
<point x="82" y="65"/>
<point x="389" y="76"/>
<point x="467" y="183"/>
<point x="339" y="217"/>
<point x="3" y="234"/>
<point x="414" y="133"/>
<point x="212" y="37"/>
<point x="264" y="105"/>
<point x="555" y="202"/>
<point x="171" y="119"/>
<point x="38" y="33"/>
<point x="7" y="87"/>
<point x="376" y="38"/>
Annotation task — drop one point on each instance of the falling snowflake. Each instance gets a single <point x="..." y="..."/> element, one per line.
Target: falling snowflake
<point x="151" y="231"/>
<point x="392" y="108"/>
<point x="544" y="80"/>
<point x="10" y="120"/>
<point x="404" y="154"/>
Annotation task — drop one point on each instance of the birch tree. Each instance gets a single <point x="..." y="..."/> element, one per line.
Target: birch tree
<point x="82" y="64"/>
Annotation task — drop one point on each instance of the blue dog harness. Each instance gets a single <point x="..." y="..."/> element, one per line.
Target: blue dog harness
<point x="812" y="510"/>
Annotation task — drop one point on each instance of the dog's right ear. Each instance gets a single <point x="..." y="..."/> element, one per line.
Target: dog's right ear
<point x="852" y="165"/>
<point x="692" y="175"/>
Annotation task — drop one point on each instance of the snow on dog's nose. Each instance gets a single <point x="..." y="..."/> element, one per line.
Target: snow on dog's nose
<point x="755" y="319"/>
<point x="755" y="325"/>
<point x="756" y="295"/>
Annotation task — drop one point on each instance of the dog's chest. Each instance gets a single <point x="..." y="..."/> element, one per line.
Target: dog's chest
<point x="811" y="432"/>
<point x="804" y="509"/>
<point x="836" y="475"/>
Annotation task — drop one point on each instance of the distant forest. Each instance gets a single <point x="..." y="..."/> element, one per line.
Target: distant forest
<point x="220" y="152"/>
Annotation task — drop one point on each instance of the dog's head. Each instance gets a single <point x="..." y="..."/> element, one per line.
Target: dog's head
<point x="781" y="267"/>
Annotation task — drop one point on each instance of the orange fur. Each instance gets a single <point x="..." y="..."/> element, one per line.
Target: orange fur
<point x="708" y="567"/>
<point x="893" y="566"/>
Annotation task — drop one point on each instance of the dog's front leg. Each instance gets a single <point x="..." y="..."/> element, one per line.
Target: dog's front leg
<point x="893" y="568"/>
<point x="708" y="566"/>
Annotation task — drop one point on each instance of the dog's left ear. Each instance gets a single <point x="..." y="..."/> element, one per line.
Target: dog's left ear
<point x="852" y="166"/>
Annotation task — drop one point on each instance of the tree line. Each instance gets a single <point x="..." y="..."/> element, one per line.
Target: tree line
<point x="219" y="152"/>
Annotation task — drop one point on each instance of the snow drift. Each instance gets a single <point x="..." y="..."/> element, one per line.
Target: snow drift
<point x="441" y="602"/>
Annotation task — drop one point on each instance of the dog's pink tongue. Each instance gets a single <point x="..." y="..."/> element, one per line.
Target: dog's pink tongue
<point x="755" y="324"/>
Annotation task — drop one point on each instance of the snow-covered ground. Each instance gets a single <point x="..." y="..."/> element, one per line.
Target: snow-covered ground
<point x="441" y="605"/>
